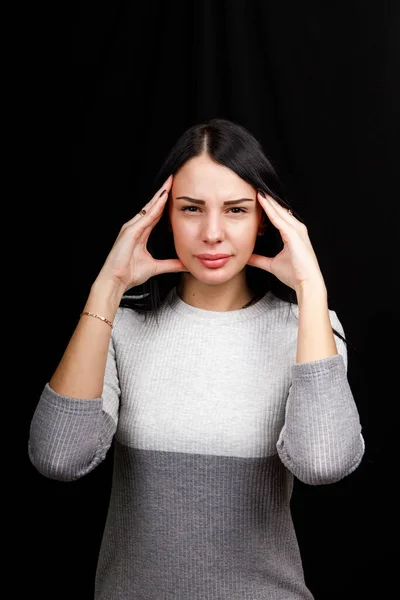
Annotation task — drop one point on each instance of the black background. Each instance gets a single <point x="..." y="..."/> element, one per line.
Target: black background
<point x="317" y="83"/>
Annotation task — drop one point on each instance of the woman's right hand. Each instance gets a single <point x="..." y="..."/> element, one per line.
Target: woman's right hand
<point x="129" y="263"/>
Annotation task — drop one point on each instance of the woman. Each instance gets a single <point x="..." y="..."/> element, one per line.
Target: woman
<point x="219" y="377"/>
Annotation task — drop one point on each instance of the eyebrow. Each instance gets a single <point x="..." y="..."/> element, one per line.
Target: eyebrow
<point x="227" y="203"/>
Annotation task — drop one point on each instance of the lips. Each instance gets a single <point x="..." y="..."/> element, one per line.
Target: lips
<point x="215" y="261"/>
<point x="212" y="256"/>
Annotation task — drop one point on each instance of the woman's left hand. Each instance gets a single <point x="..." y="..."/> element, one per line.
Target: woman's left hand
<point x="296" y="264"/>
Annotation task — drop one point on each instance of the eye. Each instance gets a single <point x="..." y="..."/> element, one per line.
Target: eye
<point x="234" y="208"/>
<point x="239" y="209"/>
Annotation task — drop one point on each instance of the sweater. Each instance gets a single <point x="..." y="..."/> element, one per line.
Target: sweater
<point x="211" y="419"/>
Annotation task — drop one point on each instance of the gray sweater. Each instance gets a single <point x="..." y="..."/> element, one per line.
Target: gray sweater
<point x="211" y="419"/>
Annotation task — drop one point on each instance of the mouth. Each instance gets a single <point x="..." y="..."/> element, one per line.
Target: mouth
<point x="213" y="261"/>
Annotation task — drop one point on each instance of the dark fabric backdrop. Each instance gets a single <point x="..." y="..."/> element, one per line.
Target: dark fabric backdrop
<point x="317" y="83"/>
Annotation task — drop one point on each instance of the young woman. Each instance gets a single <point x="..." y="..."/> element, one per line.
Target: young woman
<point x="207" y="354"/>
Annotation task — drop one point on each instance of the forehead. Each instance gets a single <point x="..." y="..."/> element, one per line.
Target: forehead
<point x="201" y="177"/>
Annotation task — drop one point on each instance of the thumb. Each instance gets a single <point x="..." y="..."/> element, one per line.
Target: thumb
<point x="170" y="265"/>
<point x="261" y="262"/>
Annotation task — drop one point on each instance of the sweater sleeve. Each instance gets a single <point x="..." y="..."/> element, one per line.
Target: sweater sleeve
<point x="321" y="440"/>
<point x="69" y="437"/>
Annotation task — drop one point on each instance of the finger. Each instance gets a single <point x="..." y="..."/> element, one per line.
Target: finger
<point x="143" y="226"/>
<point x="164" y="189"/>
<point x="275" y="212"/>
<point x="261" y="262"/>
<point x="170" y="265"/>
<point x="284" y="212"/>
<point x="139" y="227"/>
<point x="161" y="193"/>
<point x="156" y="210"/>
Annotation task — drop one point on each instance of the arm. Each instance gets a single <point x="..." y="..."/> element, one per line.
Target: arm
<point x="77" y="413"/>
<point x="80" y="373"/>
<point x="321" y="439"/>
<point x="315" y="339"/>
<point x="76" y="416"/>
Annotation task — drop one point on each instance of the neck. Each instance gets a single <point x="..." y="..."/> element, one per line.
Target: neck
<point x="232" y="295"/>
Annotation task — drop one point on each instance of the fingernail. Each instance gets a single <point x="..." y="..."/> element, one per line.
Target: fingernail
<point x="261" y="193"/>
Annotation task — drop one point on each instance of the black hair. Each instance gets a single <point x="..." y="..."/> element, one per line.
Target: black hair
<point x="233" y="146"/>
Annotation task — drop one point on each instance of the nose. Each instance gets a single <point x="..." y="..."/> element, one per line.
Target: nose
<point x="212" y="229"/>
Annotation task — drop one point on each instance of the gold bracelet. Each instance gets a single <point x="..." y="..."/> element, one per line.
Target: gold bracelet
<point x="90" y="314"/>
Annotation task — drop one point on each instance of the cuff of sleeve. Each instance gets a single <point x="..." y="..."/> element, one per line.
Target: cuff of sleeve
<point x="71" y="405"/>
<point x="321" y="367"/>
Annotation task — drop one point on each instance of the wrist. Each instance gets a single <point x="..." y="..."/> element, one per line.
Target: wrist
<point x="104" y="298"/>
<point x="308" y="290"/>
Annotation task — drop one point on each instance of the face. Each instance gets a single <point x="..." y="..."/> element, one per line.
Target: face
<point x="206" y="221"/>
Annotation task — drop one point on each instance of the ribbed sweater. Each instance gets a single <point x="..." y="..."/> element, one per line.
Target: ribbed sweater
<point x="211" y="419"/>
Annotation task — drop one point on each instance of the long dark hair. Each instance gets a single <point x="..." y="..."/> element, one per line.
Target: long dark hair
<point x="232" y="146"/>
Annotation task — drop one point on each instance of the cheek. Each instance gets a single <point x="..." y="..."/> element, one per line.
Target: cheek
<point x="183" y="233"/>
<point x="248" y="229"/>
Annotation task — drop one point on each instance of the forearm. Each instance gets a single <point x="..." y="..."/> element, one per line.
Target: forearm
<point x="80" y="373"/>
<point x="315" y="336"/>
<point x="321" y="439"/>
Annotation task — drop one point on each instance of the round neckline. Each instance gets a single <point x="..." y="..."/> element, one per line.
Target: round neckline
<point x="175" y="302"/>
